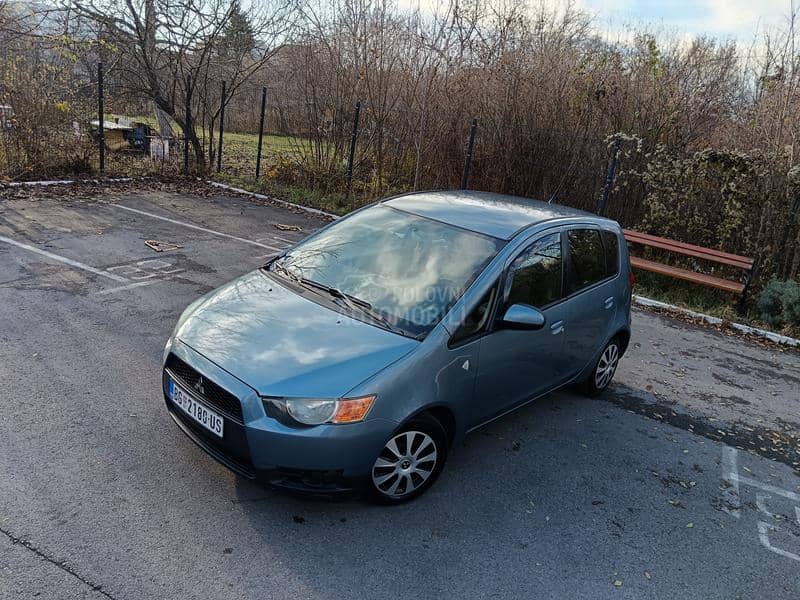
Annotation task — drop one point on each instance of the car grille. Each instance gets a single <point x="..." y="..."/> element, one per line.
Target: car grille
<point x="231" y="452"/>
<point x="215" y="396"/>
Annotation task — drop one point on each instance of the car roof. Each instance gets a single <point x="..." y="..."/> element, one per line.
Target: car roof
<point x="491" y="214"/>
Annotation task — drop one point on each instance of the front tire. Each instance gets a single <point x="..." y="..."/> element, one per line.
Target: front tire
<point x="604" y="369"/>
<point x="410" y="462"/>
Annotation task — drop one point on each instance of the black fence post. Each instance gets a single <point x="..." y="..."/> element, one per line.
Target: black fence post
<point x="188" y="125"/>
<point x="221" y="128"/>
<point x="468" y="159"/>
<point x="261" y="130"/>
<point x="612" y="168"/>
<point x="101" y="135"/>
<point x="353" y="137"/>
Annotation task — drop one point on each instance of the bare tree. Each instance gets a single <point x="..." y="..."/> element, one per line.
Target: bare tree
<point x="167" y="49"/>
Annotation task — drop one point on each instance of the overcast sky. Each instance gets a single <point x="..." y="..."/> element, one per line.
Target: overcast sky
<point x="738" y="20"/>
<point x="727" y="19"/>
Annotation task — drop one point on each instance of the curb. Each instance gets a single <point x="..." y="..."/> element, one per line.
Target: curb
<point x="286" y="203"/>
<point x="67" y="182"/>
<point x="762" y="333"/>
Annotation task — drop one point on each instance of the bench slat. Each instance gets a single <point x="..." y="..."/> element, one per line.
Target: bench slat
<point x="718" y="256"/>
<point x="684" y="274"/>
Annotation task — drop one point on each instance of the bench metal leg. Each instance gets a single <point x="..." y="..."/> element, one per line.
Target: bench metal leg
<point x="742" y="305"/>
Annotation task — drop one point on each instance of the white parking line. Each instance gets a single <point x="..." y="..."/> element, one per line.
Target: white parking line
<point x="761" y="504"/>
<point x="64" y="260"/>
<point x="196" y="227"/>
<point x="768" y="488"/>
<point x="730" y="472"/>
<point x="123" y="288"/>
<point x="280" y="238"/>
<point x="763" y="537"/>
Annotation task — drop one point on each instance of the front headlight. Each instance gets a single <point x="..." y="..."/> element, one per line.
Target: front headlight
<point x="310" y="411"/>
<point x="316" y="411"/>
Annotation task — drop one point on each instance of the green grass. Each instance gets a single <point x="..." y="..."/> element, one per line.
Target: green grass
<point x="276" y="144"/>
<point x="688" y="295"/>
<point x="332" y="202"/>
<point x="238" y="143"/>
<point x="702" y="299"/>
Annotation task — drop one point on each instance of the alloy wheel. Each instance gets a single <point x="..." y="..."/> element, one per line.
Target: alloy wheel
<point x="405" y="463"/>
<point x="606" y="366"/>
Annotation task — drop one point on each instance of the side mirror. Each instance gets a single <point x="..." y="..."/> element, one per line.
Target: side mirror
<point x="522" y="316"/>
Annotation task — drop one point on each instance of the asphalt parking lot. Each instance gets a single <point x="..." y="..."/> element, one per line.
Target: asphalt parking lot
<point x="649" y="493"/>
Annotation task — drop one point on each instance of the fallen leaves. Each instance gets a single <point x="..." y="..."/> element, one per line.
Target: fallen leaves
<point x="283" y="227"/>
<point x="161" y="246"/>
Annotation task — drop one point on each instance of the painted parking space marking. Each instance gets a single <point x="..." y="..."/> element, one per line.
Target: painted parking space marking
<point x="142" y="273"/>
<point x="64" y="260"/>
<point x="124" y="288"/>
<point x="767" y="487"/>
<point x="731" y="475"/>
<point x="279" y="238"/>
<point x="195" y="227"/>
<point x="764" y="530"/>
<point x="147" y="269"/>
<point x="766" y="491"/>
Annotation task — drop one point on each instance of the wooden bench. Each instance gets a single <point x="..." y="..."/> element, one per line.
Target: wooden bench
<point x="749" y="265"/>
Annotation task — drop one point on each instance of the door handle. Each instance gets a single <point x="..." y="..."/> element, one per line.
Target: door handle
<point x="609" y="302"/>
<point x="557" y="328"/>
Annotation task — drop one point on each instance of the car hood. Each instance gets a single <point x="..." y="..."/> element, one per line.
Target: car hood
<point x="280" y="343"/>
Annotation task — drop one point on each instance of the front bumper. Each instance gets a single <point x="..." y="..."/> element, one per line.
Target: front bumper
<point x="323" y="459"/>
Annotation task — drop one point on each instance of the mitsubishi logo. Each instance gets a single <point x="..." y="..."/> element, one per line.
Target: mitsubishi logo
<point x="198" y="386"/>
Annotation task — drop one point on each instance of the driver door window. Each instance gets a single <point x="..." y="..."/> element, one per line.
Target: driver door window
<point x="535" y="277"/>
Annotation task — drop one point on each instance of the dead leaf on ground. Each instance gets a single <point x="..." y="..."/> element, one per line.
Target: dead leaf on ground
<point x="161" y="246"/>
<point x="283" y="227"/>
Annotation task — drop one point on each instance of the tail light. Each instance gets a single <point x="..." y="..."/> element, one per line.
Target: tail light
<point x="631" y="278"/>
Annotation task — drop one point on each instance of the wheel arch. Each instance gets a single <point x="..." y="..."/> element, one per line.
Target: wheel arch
<point x="443" y="414"/>
<point x="624" y="336"/>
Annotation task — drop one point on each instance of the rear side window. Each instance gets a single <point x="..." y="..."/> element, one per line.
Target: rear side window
<point x="587" y="259"/>
<point x="611" y="242"/>
<point x="535" y="277"/>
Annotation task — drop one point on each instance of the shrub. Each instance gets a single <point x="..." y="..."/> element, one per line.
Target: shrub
<point x="779" y="303"/>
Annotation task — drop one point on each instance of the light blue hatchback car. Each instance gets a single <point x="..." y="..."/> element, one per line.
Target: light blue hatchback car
<point x="359" y="356"/>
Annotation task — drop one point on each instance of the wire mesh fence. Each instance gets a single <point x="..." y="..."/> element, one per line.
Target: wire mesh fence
<point x="267" y="135"/>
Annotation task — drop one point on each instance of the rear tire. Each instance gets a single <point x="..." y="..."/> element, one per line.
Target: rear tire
<point x="410" y="462"/>
<point x="604" y="369"/>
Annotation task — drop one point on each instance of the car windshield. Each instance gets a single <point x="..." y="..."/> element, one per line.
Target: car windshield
<point x="403" y="270"/>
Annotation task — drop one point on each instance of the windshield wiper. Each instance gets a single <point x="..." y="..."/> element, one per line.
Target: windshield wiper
<point x="354" y="303"/>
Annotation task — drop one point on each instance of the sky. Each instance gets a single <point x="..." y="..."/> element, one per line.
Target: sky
<point x="739" y="20"/>
<point x="742" y="21"/>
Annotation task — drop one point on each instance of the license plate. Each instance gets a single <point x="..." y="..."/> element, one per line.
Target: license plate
<point x="200" y="413"/>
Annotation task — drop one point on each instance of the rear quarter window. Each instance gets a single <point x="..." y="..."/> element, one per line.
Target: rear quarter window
<point x="611" y="243"/>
